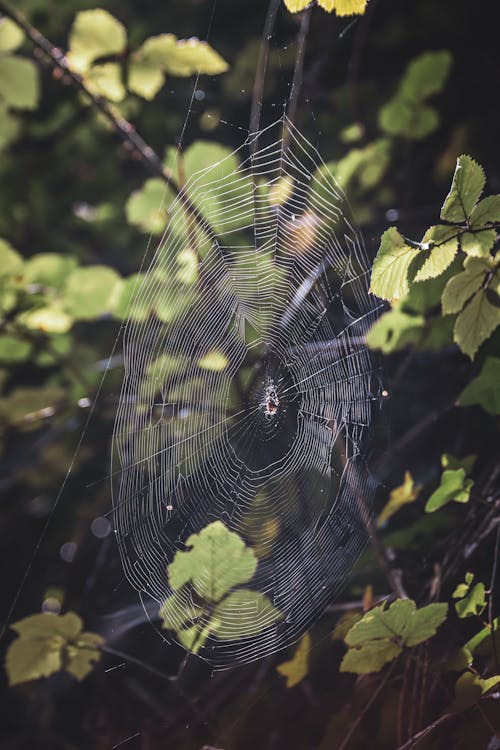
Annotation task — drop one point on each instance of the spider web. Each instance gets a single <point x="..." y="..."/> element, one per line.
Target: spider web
<point x="249" y="394"/>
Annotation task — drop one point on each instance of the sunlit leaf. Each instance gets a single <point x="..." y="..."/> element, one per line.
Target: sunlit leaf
<point x="49" y="319"/>
<point x="486" y="212"/>
<point x="390" y="268"/>
<point x="49" y="269"/>
<point x="481" y="643"/>
<point x="11" y="36"/>
<point x="19" y="82"/>
<point x="10" y="261"/>
<point x="106" y="80"/>
<point x="452" y="462"/>
<point x="280" y="191"/>
<point x="478" y="244"/>
<point x="472" y="599"/>
<point x="406" y="493"/>
<point x="243" y="613"/>
<point x="466" y="188"/>
<point x="484" y="389"/>
<point x="443" y="242"/>
<point x="94" y="34"/>
<point x="147" y="208"/>
<point x="383" y="632"/>
<point x="294" y="6"/>
<point x="461" y="287"/>
<point x="344" y="7"/>
<point x="215" y="361"/>
<point x="48" y="643"/>
<point x="454" y="486"/>
<point x="296" y="668"/>
<point x="216" y="561"/>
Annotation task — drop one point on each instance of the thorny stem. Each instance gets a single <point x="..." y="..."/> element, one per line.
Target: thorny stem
<point x="122" y="126"/>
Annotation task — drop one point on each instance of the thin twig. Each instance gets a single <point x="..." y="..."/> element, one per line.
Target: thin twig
<point x="122" y="126"/>
<point x="291" y="113"/>
<point x="420" y="735"/>
<point x="260" y="71"/>
<point x="490" y="598"/>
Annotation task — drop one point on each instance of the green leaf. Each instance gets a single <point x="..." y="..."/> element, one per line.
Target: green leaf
<point x="408" y="119"/>
<point x="462" y="286"/>
<point x="13" y="350"/>
<point x="484" y="389"/>
<point x="49" y="269"/>
<point x="454" y="486"/>
<point x="48" y="643"/>
<point x="443" y="247"/>
<point x="394" y="330"/>
<point x="216" y="561"/>
<point x="11" y="263"/>
<point x="452" y="462"/>
<point x="214" y="361"/>
<point x="178" y="610"/>
<point x="19" y="82"/>
<point x="406" y="493"/>
<point x="106" y="80"/>
<point x="243" y="613"/>
<point x="92" y="291"/>
<point x="486" y="212"/>
<point x="48" y="319"/>
<point x="466" y="188"/>
<point x="296" y="668"/>
<point x="471" y="602"/>
<point x="146" y="208"/>
<point x="426" y="75"/>
<point x="382" y="634"/>
<point x="390" y="268"/>
<point x="11" y="36"/>
<point x="94" y="34"/>
<point x="478" y="244"/>
<point x="164" y="54"/>
<point x="476" y="323"/>
<point x="481" y="643"/>
<point x="468" y="691"/>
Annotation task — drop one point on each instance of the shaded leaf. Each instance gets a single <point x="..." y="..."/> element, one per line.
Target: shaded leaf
<point x="462" y="286"/>
<point x="484" y="389"/>
<point x="389" y="278"/>
<point x="476" y="323"/>
<point x="296" y="668"/>
<point x="146" y="208"/>
<point x="466" y="188"/>
<point x="92" y="291"/>
<point x="243" y="613"/>
<point x="94" y="34"/>
<point x="481" y="643"/>
<point x="486" y="211"/>
<point x="394" y="330"/>
<point x="10" y="261"/>
<point x="452" y="462"/>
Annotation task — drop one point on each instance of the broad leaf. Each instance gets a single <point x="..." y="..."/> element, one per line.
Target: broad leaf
<point x="466" y="188"/>
<point x="394" y="330"/>
<point x="344" y="7"/>
<point x="146" y="208"/>
<point x="94" y="34"/>
<point x="478" y="244"/>
<point x="49" y="269"/>
<point x="471" y="599"/>
<point x="294" y="6"/>
<point x="11" y="36"/>
<point x="216" y="561"/>
<point x="296" y="668"/>
<point x="243" y="613"/>
<point x="476" y="323"/>
<point x="382" y="634"/>
<point x="92" y="292"/>
<point x="19" y="82"/>
<point x="461" y="287"/>
<point x="48" y="643"/>
<point x="454" y="486"/>
<point x="485" y="388"/>
<point x="106" y="80"/>
<point x="406" y="493"/>
<point x="448" y="461"/>
<point x="486" y="212"/>
<point x="390" y="268"/>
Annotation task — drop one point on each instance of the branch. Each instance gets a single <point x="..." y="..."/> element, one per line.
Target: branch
<point x="121" y="126"/>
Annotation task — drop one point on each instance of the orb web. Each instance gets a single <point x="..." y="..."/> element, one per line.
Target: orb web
<point x="249" y="395"/>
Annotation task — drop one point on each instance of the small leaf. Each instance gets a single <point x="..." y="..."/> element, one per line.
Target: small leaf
<point x="94" y="34"/>
<point x="49" y="319"/>
<point x="216" y="561"/>
<point x="478" y="244"/>
<point x="406" y="493"/>
<point x="106" y="81"/>
<point x="476" y="323"/>
<point x="443" y="243"/>
<point x="344" y="7"/>
<point x="481" y="643"/>
<point x="19" y="82"/>
<point x="280" y="191"/>
<point x="370" y="657"/>
<point x="215" y="361"/>
<point x="466" y="188"/>
<point x="454" y="486"/>
<point x="486" y="212"/>
<point x="11" y="263"/>
<point x="294" y="6"/>
<point x="452" y="462"/>
<point x="390" y="268"/>
<point x="296" y="668"/>
<point x="462" y="286"/>
<point x="485" y="388"/>
<point x="11" y="36"/>
<point x="49" y="269"/>
<point x="472" y="602"/>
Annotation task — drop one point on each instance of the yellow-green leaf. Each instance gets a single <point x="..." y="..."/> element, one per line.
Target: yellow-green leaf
<point x="344" y="7"/>
<point x="11" y="263"/>
<point x="296" y="668"/>
<point x="146" y="208"/>
<point x="92" y="291"/>
<point x="11" y="36"/>
<point x="476" y="323"/>
<point x="215" y="361"/>
<point x="394" y="330"/>
<point x="478" y="244"/>
<point x="486" y="212"/>
<point x="94" y="34"/>
<point x="453" y="486"/>
<point x="390" y="268"/>
<point x="243" y="613"/>
<point x="294" y="6"/>
<point x="406" y="493"/>
<point x="216" y="560"/>
<point x="462" y="286"/>
<point x="443" y="246"/>
<point x="49" y="319"/>
<point x="106" y="81"/>
<point x="19" y="82"/>
<point x="466" y="188"/>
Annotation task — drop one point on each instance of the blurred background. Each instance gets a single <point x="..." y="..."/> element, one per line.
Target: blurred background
<point x="71" y="188"/>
